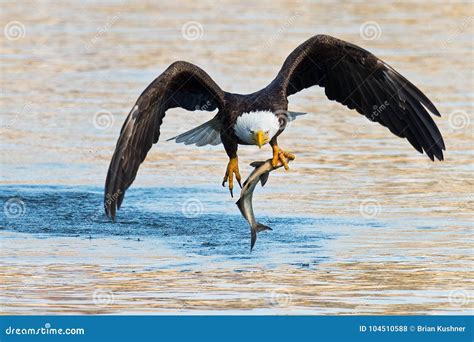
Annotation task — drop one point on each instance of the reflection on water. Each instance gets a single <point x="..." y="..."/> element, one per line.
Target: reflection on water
<point x="362" y="222"/>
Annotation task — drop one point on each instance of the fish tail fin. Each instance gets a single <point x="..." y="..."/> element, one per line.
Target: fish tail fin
<point x="257" y="228"/>
<point x="261" y="227"/>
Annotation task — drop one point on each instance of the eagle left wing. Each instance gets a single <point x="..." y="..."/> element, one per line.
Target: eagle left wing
<point x="181" y="85"/>
<point x="359" y="80"/>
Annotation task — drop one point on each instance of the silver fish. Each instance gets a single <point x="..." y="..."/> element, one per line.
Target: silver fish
<point x="261" y="173"/>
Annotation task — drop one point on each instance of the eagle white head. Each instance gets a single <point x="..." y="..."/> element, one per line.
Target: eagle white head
<point x="257" y="128"/>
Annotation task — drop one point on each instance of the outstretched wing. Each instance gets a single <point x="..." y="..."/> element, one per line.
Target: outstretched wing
<point x="359" y="80"/>
<point x="181" y="85"/>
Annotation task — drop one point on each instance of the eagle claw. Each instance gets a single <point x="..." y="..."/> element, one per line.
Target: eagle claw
<point x="232" y="168"/>
<point x="281" y="156"/>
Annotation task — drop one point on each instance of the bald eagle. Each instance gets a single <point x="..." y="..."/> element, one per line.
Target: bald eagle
<point x="349" y="75"/>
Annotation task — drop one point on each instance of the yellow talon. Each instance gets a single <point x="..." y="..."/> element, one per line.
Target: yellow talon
<point x="280" y="156"/>
<point x="232" y="168"/>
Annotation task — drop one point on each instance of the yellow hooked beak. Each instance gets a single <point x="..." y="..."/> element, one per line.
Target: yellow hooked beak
<point x="260" y="138"/>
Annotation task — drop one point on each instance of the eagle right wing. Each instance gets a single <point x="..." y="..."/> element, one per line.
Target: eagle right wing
<point x="359" y="80"/>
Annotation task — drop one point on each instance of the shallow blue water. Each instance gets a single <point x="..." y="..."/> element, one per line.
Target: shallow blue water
<point x="175" y="216"/>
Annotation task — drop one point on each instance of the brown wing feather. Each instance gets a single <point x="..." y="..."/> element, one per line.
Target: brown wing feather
<point x="359" y="80"/>
<point x="181" y="85"/>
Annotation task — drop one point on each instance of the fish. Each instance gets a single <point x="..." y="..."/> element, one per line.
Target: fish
<point x="260" y="173"/>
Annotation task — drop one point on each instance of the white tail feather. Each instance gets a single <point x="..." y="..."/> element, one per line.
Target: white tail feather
<point x="206" y="134"/>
